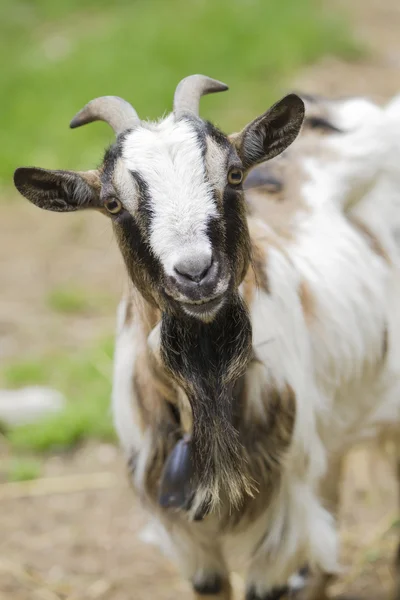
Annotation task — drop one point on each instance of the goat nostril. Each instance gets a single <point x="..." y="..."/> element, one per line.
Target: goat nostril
<point x="194" y="268"/>
<point x="204" y="273"/>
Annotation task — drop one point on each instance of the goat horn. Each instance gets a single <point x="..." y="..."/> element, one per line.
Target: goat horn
<point x="113" y="110"/>
<point x="191" y="89"/>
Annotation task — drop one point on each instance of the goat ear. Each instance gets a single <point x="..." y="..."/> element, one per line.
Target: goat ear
<point x="269" y="135"/>
<point x="61" y="191"/>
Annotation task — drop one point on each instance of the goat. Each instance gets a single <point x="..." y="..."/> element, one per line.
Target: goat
<point x="257" y="339"/>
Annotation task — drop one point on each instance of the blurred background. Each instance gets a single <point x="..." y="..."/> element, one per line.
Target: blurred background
<point x="70" y="527"/>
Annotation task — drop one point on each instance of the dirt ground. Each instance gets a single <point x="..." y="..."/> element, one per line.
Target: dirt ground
<point x="86" y="541"/>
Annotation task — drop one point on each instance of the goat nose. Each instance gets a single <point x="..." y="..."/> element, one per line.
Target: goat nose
<point x="194" y="267"/>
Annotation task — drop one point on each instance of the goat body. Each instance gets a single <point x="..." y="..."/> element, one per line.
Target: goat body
<point x="324" y="372"/>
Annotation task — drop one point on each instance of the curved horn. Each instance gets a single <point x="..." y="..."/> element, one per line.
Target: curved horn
<point x="191" y="89"/>
<point x="113" y="110"/>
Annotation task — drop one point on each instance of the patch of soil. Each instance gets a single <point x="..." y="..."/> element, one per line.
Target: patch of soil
<point x="87" y="545"/>
<point x="40" y="252"/>
<point x="83" y="545"/>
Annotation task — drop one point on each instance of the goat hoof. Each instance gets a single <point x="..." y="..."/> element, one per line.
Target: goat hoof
<point x="209" y="585"/>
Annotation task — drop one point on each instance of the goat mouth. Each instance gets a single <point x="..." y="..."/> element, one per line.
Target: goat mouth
<point x="205" y="308"/>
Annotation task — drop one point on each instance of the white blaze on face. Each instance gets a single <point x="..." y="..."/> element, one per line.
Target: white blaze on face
<point x="168" y="157"/>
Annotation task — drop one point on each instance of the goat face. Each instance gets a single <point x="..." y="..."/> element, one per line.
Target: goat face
<point x="182" y="225"/>
<point x="173" y="190"/>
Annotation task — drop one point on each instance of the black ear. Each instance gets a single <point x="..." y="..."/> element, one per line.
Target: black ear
<point x="61" y="191"/>
<point x="269" y="135"/>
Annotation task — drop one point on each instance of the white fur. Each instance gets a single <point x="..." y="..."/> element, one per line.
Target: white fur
<point x="123" y="402"/>
<point x="168" y="156"/>
<point x="349" y="164"/>
<point x="346" y="389"/>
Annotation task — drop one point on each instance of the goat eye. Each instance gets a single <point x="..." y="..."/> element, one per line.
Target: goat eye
<point x="235" y="176"/>
<point x="113" y="205"/>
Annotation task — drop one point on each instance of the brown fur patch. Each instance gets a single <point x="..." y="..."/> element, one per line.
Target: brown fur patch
<point x="265" y="443"/>
<point x="128" y="312"/>
<point x="161" y="380"/>
<point x="156" y="417"/>
<point x="154" y="393"/>
<point x="259" y="259"/>
<point x="141" y="278"/>
<point x="93" y="178"/>
<point x="256" y="276"/>
<point x="265" y="238"/>
<point x="371" y="238"/>
<point x="249" y="287"/>
<point x="146" y="394"/>
<point x="144" y="383"/>
<point x="276" y="210"/>
<point x="278" y="205"/>
<point x="281" y="412"/>
<point x="279" y="210"/>
<point x="307" y="301"/>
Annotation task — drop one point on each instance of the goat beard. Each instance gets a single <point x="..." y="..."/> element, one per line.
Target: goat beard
<point x="206" y="360"/>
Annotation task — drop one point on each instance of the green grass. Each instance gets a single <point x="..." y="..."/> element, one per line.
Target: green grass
<point x="85" y="379"/>
<point x="57" y="55"/>
<point x="23" y="469"/>
<point x="70" y="300"/>
<point x="78" y="300"/>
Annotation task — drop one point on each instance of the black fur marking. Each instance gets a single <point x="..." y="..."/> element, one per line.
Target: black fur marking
<point x="274" y="594"/>
<point x="137" y="254"/>
<point x="198" y="126"/>
<point x="206" y="360"/>
<point x="112" y="154"/>
<point x="136" y="245"/>
<point x="212" y="585"/>
<point x="237" y="242"/>
<point x="144" y="210"/>
<point x="233" y="223"/>
<point x="202" y="142"/>
<point x="107" y="172"/>
<point x="232" y="157"/>
<point x="216" y="233"/>
<point x="121" y="139"/>
<point x="217" y="135"/>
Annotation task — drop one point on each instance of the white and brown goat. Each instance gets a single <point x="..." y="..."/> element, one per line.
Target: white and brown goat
<point x="258" y="338"/>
